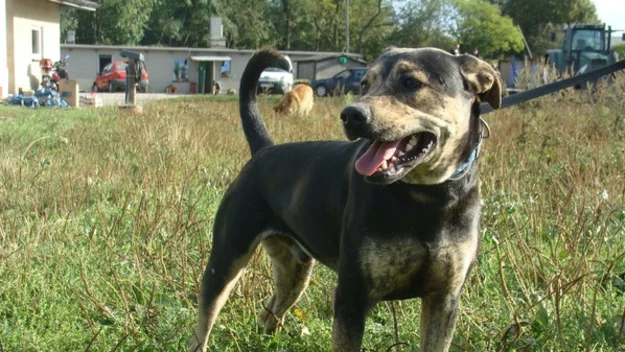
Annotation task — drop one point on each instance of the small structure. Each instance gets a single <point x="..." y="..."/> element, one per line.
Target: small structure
<point x="190" y="70"/>
<point x="321" y="67"/>
<point x="30" y="31"/>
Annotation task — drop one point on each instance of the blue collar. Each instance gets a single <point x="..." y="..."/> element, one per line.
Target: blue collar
<point x="464" y="168"/>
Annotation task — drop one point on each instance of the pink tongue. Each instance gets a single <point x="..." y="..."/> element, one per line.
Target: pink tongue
<point x="373" y="158"/>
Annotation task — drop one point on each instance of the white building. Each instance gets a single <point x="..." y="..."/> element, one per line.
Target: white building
<point x="189" y="69"/>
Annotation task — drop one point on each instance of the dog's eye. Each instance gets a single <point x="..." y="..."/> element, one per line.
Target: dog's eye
<point x="364" y="85"/>
<point x="411" y="83"/>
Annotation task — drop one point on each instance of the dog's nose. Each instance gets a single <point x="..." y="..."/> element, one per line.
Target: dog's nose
<point x="355" y="115"/>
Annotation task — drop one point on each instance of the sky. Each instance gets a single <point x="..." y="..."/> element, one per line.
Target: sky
<point x="612" y="12"/>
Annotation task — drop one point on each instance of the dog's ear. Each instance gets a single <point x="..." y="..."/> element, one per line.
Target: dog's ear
<point x="482" y="79"/>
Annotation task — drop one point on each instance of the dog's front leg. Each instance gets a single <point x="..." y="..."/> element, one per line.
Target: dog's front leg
<point x="438" y="321"/>
<point x="351" y="306"/>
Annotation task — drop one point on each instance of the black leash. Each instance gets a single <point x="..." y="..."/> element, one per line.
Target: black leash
<point x="554" y="87"/>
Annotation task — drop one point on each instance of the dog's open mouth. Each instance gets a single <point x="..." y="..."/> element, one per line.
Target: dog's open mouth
<point x="391" y="158"/>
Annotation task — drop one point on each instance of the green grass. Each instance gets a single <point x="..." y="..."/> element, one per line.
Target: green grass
<point x="105" y="225"/>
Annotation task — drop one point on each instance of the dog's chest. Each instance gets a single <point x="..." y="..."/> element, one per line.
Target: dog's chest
<point x="388" y="265"/>
<point x="406" y="268"/>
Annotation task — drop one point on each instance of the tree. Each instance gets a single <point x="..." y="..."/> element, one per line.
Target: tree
<point x="179" y="23"/>
<point x="69" y="21"/>
<point x="479" y="24"/>
<point x="422" y="23"/>
<point x="120" y="22"/>
<point x="245" y="23"/>
<point x="537" y="17"/>
<point x="620" y="50"/>
<point x="370" y="25"/>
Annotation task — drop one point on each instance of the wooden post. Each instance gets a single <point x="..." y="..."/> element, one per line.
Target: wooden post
<point x="132" y="83"/>
<point x="131" y="88"/>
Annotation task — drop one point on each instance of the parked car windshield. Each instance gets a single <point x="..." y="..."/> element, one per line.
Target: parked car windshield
<point x="122" y="66"/>
<point x="274" y="69"/>
<point x="343" y="74"/>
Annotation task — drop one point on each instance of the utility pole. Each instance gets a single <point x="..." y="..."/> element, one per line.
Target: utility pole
<point x="347" y="26"/>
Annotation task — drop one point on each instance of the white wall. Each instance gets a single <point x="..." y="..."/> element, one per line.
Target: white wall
<point x="22" y="17"/>
<point x="4" y="70"/>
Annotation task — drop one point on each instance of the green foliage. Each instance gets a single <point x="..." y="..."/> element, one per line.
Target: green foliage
<point x="178" y="23"/>
<point x="620" y="49"/>
<point x="320" y="25"/>
<point x="480" y="25"/>
<point x="116" y="22"/>
<point x="538" y="17"/>
<point x="245" y="23"/>
<point x="419" y="24"/>
<point x="105" y="228"/>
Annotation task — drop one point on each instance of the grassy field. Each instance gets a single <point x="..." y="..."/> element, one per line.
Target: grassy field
<point x="105" y="226"/>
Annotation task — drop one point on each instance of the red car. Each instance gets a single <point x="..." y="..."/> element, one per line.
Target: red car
<point x="113" y="78"/>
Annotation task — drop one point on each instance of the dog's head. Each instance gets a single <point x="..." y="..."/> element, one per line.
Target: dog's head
<point x="285" y="105"/>
<point x="416" y="110"/>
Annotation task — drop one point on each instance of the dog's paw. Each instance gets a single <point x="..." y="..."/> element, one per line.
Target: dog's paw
<point x="195" y="345"/>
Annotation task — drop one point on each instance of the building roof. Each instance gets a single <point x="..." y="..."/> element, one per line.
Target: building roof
<point x="88" y="5"/>
<point x="353" y="57"/>
<point x="211" y="58"/>
<point x="203" y="50"/>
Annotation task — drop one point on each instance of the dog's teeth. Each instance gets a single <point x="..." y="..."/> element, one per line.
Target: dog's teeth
<point x="399" y="154"/>
<point x="384" y="165"/>
<point x="409" y="146"/>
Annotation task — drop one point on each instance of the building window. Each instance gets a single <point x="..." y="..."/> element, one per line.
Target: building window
<point x="36" y="40"/>
<point x="225" y="70"/>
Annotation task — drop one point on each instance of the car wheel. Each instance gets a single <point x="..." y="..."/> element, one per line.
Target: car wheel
<point x="94" y="88"/>
<point x="322" y="91"/>
<point x="111" y="87"/>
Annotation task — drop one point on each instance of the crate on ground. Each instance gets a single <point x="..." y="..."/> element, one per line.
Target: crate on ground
<point x="68" y="90"/>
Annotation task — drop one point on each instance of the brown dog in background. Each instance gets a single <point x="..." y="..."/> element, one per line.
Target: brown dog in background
<point x="297" y="101"/>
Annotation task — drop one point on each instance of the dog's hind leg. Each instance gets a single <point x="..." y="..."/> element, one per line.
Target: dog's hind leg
<point x="292" y="269"/>
<point x="234" y="242"/>
<point x="219" y="278"/>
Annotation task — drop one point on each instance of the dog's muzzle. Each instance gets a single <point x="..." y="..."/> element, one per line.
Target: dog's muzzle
<point x="355" y="119"/>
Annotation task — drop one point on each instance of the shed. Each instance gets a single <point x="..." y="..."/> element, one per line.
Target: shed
<point x="321" y="67"/>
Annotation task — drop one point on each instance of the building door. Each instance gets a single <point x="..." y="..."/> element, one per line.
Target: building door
<point x="103" y="61"/>
<point x="205" y="77"/>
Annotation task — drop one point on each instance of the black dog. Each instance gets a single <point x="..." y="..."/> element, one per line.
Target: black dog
<point x="395" y="213"/>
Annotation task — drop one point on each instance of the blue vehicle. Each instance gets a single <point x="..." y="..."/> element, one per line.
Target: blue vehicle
<point x="346" y="81"/>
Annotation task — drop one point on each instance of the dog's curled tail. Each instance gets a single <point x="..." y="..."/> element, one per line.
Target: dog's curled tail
<point x="253" y="127"/>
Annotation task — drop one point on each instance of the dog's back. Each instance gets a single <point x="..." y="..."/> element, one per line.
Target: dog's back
<point x="298" y="101"/>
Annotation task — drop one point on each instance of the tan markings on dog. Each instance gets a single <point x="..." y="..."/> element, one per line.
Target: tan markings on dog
<point x="372" y="74"/>
<point x="206" y="319"/>
<point x="446" y="117"/>
<point x="484" y="80"/>
<point x="297" y="101"/>
<point x="390" y="265"/>
<point x="407" y="68"/>
<point x="450" y="261"/>
<point x="291" y="277"/>
<point x="394" y="117"/>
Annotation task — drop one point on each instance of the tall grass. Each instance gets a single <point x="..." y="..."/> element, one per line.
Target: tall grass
<point x="105" y="225"/>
